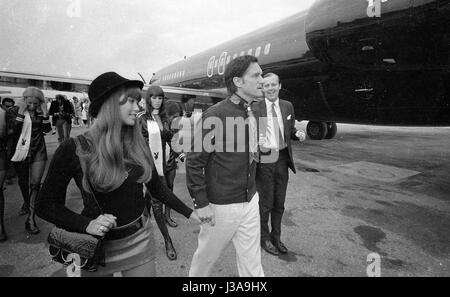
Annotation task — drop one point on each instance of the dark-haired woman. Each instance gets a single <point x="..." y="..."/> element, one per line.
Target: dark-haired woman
<point x="156" y="130"/>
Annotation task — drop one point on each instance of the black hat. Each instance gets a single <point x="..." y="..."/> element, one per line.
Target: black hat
<point x="104" y="85"/>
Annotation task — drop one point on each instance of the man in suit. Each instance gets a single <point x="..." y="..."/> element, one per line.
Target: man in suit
<point x="276" y="130"/>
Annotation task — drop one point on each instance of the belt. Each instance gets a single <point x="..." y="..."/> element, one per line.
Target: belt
<point x="128" y="229"/>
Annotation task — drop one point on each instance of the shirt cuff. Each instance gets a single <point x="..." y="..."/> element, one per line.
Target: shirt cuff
<point x="200" y="200"/>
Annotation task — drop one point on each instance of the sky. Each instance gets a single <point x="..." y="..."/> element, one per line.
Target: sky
<point x="84" y="38"/>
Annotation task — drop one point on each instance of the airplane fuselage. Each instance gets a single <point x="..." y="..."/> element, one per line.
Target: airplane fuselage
<point x="380" y="62"/>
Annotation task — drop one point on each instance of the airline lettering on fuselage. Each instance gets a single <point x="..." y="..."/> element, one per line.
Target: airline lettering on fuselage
<point x="374" y="8"/>
<point x="224" y="59"/>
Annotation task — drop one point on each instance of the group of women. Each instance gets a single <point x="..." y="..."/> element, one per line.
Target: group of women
<point x="121" y="168"/>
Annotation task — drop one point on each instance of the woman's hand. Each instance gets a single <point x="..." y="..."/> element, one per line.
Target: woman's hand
<point x="22" y="106"/>
<point x="44" y="109"/>
<point x="101" y="225"/>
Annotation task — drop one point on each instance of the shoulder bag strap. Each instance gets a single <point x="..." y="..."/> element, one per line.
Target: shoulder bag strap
<point x="79" y="149"/>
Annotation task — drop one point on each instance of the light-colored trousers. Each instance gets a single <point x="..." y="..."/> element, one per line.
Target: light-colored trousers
<point x="238" y="223"/>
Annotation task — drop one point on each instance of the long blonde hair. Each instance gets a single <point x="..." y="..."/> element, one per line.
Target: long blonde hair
<point x="112" y="145"/>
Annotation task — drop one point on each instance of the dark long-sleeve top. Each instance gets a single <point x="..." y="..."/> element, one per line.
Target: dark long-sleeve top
<point x="216" y="174"/>
<point x="127" y="202"/>
<point x="63" y="110"/>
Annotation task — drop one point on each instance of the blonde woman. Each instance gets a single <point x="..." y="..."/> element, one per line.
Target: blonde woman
<point x="29" y="150"/>
<point x="114" y="161"/>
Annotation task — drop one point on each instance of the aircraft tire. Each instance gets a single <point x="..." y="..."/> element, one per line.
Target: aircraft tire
<point x="317" y="130"/>
<point x="332" y="130"/>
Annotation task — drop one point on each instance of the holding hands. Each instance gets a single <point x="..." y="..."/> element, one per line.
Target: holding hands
<point x="206" y="215"/>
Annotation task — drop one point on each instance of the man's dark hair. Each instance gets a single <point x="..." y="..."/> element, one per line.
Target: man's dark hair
<point x="6" y="99"/>
<point x="237" y="68"/>
<point x="59" y="97"/>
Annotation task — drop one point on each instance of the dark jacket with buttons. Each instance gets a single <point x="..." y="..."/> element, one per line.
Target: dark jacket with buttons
<point x="220" y="174"/>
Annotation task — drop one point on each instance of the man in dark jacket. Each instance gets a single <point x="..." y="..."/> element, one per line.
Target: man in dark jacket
<point x="221" y="175"/>
<point x="62" y="110"/>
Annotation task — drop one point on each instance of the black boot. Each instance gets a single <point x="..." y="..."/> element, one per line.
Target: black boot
<point x="157" y="207"/>
<point x="170" y="250"/>
<point x="30" y="223"/>
<point x="24" y="210"/>
<point x="169" y="220"/>
<point x="3" y="236"/>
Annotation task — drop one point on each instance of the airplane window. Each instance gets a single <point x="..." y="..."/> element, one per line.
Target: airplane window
<point x="216" y="63"/>
<point x="258" y="51"/>
<point x="235" y="56"/>
<point x="242" y="53"/>
<point x="250" y="51"/>
<point x="228" y="59"/>
<point x="267" y="49"/>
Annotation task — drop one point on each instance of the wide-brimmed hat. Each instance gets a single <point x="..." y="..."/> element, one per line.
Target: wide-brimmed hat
<point x="104" y="85"/>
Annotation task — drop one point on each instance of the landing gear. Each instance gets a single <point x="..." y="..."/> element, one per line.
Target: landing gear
<point x="321" y="130"/>
<point x="332" y="130"/>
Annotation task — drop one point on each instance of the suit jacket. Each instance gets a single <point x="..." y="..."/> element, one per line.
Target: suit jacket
<point x="287" y="112"/>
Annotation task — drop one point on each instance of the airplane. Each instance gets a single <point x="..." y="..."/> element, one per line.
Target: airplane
<point x="375" y="62"/>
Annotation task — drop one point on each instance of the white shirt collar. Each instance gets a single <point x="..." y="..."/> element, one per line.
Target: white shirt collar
<point x="269" y="103"/>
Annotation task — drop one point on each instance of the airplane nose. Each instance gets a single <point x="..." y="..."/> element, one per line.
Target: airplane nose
<point x="395" y="33"/>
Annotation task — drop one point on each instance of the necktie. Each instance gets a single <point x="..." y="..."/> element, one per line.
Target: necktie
<point x="252" y="135"/>
<point x="276" y="128"/>
<point x="252" y="130"/>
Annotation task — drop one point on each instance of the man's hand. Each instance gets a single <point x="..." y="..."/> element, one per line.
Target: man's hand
<point x="206" y="215"/>
<point x="300" y="135"/>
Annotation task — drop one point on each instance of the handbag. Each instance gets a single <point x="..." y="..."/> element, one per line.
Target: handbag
<point x="63" y="243"/>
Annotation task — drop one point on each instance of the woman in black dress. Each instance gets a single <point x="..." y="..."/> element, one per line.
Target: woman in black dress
<point x="29" y="150"/>
<point x="155" y="127"/>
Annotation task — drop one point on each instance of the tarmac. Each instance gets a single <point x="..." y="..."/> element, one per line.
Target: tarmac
<point x="370" y="192"/>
